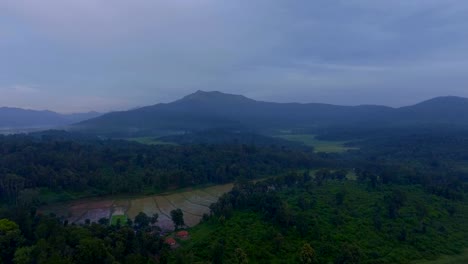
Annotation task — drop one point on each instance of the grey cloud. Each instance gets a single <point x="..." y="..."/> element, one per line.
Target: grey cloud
<point x="124" y="53"/>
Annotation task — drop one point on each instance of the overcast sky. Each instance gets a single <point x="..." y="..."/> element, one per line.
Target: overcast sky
<point x="81" y="55"/>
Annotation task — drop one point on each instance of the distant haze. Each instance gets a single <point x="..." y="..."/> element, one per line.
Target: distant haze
<point x="83" y="55"/>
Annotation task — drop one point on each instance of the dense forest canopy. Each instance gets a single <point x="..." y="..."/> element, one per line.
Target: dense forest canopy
<point x="405" y="192"/>
<point x="110" y="167"/>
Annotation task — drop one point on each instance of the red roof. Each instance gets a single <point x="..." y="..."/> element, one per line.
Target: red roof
<point x="170" y="241"/>
<point x="182" y="233"/>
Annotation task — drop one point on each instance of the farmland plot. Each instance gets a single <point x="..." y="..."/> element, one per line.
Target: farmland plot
<point x="164" y="206"/>
<point x="193" y="203"/>
<point x="95" y="214"/>
<point x="179" y="201"/>
<point x="200" y="197"/>
<point x="218" y="190"/>
<point x="145" y="205"/>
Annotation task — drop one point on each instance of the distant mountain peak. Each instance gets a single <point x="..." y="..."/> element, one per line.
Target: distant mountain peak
<point x="448" y="98"/>
<point x="444" y="101"/>
<point x="214" y="96"/>
<point x="204" y="110"/>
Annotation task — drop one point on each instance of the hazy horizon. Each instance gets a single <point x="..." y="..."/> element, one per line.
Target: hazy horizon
<point x="206" y="91"/>
<point x="87" y="55"/>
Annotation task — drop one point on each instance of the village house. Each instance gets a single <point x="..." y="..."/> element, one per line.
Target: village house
<point x="182" y="234"/>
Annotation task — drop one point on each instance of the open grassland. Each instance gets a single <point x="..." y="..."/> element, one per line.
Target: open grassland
<point x="194" y="203"/>
<point x="319" y="145"/>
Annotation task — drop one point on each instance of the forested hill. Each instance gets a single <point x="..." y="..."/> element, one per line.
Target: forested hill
<point x="208" y="110"/>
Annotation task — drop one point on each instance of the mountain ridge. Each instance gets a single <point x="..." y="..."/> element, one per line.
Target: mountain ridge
<point x="211" y="110"/>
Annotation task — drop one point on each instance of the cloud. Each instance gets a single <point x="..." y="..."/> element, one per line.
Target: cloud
<point x="24" y="89"/>
<point x="146" y="51"/>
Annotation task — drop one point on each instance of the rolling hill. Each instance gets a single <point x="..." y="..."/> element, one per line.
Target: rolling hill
<point x="213" y="110"/>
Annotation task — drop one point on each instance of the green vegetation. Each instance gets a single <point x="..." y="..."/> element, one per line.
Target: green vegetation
<point x="45" y="239"/>
<point x="399" y="198"/>
<point x="452" y="259"/>
<point x="340" y="219"/>
<point x="108" y="167"/>
<point x="149" y="141"/>
<point x="119" y="219"/>
<point x="228" y="137"/>
<point x="318" y="145"/>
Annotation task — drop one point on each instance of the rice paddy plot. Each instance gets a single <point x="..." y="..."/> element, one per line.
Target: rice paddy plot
<point x="179" y="201"/>
<point x="100" y="204"/>
<point x="164" y="206"/>
<point x="219" y="190"/>
<point x="122" y="205"/>
<point x="94" y="215"/>
<point x="74" y="216"/>
<point x="200" y="197"/>
<point x="191" y="220"/>
<point x="145" y="205"/>
<point x="193" y="203"/>
<point x="175" y="199"/>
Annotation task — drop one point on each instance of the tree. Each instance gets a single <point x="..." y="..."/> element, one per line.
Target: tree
<point x="92" y="250"/>
<point x="322" y="175"/>
<point x="302" y="225"/>
<point x="10" y="239"/>
<point x="241" y="257"/>
<point x="278" y="241"/>
<point x="340" y="197"/>
<point x="12" y="184"/>
<point x="307" y="255"/>
<point x="350" y="254"/>
<point x="142" y="220"/>
<point x="395" y="201"/>
<point x="177" y="217"/>
<point x="154" y="219"/>
<point x="218" y="253"/>
<point x="24" y="255"/>
<point x="183" y="257"/>
<point x="340" y="174"/>
<point x="103" y="221"/>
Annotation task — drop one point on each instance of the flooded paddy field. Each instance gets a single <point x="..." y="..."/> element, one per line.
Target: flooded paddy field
<point x="194" y="203"/>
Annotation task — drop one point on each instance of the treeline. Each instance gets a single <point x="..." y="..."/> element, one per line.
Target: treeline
<point x="112" y="166"/>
